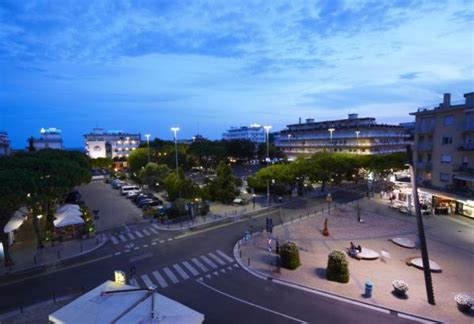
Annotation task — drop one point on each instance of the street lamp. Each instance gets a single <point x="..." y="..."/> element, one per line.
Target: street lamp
<point x="148" y="145"/>
<point x="357" y="142"/>
<point x="253" y="199"/>
<point x="267" y="129"/>
<point x="331" y="130"/>
<point x="175" y="130"/>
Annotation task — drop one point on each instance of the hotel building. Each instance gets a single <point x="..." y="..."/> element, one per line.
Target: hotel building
<point x="51" y="138"/>
<point x="352" y="135"/>
<point x="116" y="145"/>
<point x="254" y="133"/>
<point x="4" y="144"/>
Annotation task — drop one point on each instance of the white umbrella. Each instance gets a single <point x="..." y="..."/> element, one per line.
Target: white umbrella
<point x="23" y="210"/>
<point x="67" y="207"/>
<point x="14" y="223"/>
<point x="68" y="213"/>
<point x="68" y="220"/>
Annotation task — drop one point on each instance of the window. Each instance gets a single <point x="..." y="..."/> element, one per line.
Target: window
<point x="428" y="157"/>
<point x="447" y="140"/>
<point x="446" y="158"/>
<point x="465" y="161"/>
<point x="448" y="120"/>
<point x="420" y="158"/>
<point x="444" y="177"/>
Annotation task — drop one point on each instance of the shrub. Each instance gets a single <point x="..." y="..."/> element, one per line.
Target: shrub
<point x="338" y="267"/>
<point x="290" y="257"/>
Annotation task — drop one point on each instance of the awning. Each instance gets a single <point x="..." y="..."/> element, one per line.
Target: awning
<point x="68" y="213"/>
<point x="68" y="220"/>
<point x="464" y="177"/>
<point x="68" y="207"/>
<point x="237" y="201"/>
<point x="14" y="223"/>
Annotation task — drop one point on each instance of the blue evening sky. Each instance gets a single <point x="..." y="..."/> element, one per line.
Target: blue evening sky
<point x="144" y="66"/>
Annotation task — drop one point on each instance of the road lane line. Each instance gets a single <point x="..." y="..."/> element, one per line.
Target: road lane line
<point x="209" y="262"/>
<point x="118" y="253"/>
<point x="162" y="241"/>
<point x="130" y="235"/>
<point x="153" y="230"/>
<point x="147" y="280"/>
<point x="146" y="232"/>
<point x="160" y="279"/>
<point x="134" y="282"/>
<point x="171" y="275"/>
<point x="154" y="243"/>
<point x="137" y="233"/>
<point x="250" y="304"/>
<point x="190" y="268"/>
<point x="215" y="257"/>
<point x="181" y="272"/>
<point x="155" y="226"/>
<point x="114" y="239"/>
<point x="145" y="245"/>
<point x="199" y="264"/>
<point x="170" y="239"/>
<point x="225" y="256"/>
<point x="123" y="238"/>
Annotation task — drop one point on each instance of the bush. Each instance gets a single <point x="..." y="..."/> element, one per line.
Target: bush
<point x="338" y="267"/>
<point x="290" y="257"/>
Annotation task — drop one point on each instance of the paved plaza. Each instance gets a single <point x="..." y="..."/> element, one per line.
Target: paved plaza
<point x="450" y="243"/>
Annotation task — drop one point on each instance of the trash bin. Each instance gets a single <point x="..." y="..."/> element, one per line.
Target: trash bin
<point x="368" y="289"/>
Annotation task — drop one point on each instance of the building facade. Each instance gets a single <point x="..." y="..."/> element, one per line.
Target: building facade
<point x="4" y="144"/>
<point x="116" y="145"/>
<point x="352" y="135"/>
<point x="444" y="145"/>
<point x="50" y="138"/>
<point x="254" y="133"/>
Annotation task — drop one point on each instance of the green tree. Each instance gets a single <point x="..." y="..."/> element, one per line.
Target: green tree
<point x="338" y="267"/>
<point x="137" y="160"/>
<point x="240" y="149"/>
<point x="153" y="173"/>
<point x="102" y="163"/>
<point x="224" y="187"/>
<point x="180" y="186"/>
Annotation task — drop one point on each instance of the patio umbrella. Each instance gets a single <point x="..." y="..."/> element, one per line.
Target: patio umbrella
<point x="67" y="213"/>
<point x="68" y="220"/>
<point x="67" y="207"/>
<point x="14" y="223"/>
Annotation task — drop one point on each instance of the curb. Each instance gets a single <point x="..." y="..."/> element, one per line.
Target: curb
<point x="329" y="294"/>
<point x="57" y="262"/>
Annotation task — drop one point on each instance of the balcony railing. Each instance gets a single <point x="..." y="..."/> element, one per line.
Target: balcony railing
<point x="465" y="169"/>
<point x="467" y="147"/>
<point x="338" y="145"/>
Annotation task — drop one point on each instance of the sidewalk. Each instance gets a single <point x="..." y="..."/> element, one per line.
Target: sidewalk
<point x="28" y="257"/>
<point x="450" y="244"/>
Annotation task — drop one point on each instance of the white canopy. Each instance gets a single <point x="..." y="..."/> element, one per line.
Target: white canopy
<point x="68" y="220"/>
<point x="14" y="222"/>
<point x="67" y="213"/>
<point x="23" y="210"/>
<point x="67" y="207"/>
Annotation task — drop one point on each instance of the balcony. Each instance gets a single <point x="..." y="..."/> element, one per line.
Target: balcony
<point x="426" y="129"/>
<point x="468" y="147"/>
<point x="466" y="170"/>
<point x="423" y="147"/>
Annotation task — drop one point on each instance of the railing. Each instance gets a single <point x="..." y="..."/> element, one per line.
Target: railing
<point x="425" y="129"/>
<point x="467" y="147"/>
<point x="466" y="169"/>
<point x="339" y="145"/>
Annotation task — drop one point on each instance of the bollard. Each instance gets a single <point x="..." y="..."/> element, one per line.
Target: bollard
<point x="368" y="289"/>
<point x="300" y="216"/>
<point x="54" y="297"/>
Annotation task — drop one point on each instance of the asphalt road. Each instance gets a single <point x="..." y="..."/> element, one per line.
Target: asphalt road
<point x="219" y="288"/>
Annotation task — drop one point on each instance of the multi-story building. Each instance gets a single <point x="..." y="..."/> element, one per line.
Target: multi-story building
<point x="254" y="133"/>
<point x="50" y="138"/>
<point x="352" y="135"/>
<point x="4" y="144"/>
<point x="116" y="145"/>
<point x="444" y="144"/>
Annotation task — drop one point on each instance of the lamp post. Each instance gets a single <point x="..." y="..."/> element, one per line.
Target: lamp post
<point x="357" y="141"/>
<point x="267" y="129"/>
<point x="330" y="130"/>
<point x="253" y="200"/>
<point x="289" y="143"/>
<point x="175" y="130"/>
<point x="148" y="145"/>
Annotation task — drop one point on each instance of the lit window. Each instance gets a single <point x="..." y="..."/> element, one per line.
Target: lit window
<point x="446" y="158"/>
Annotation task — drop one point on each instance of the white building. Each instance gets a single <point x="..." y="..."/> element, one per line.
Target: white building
<point x="111" y="144"/>
<point x="4" y="144"/>
<point x="50" y="138"/>
<point x="255" y="133"/>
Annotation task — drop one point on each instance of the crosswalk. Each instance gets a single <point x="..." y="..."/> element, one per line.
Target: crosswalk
<point x="206" y="265"/>
<point x="129" y="236"/>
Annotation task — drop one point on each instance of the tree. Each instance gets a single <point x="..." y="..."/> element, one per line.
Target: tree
<point x="207" y="153"/>
<point x="290" y="257"/>
<point x="338" y="267"/>
<point x="102" y="163"/>
<point x="153" y="174"/>
<point x="274" y="152"/>
<point x="224" y="187"/>
<point x="240" y="149"/>
<point x="180" y="186"/>
<point x="137" y="160"/>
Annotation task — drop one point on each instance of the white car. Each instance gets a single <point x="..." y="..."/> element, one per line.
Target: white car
<point x="133" y="193"/>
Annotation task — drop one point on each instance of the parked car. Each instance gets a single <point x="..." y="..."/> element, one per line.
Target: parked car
<point x="117" y="184"/>
<point x="142" y="196"/>
<point x="132" y="194"/>
<point x="147" y="203"/>
<point x="126" y="189"/>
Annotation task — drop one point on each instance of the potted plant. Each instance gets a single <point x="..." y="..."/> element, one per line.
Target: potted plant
<point x="464" y="302"/>
<point x="400" y="287"/>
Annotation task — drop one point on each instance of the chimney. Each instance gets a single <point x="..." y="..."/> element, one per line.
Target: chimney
<point x="446" y="100"/>
<point x="469" y="98"/>
<point x="300" y="120"/>
<point x="353" y="116"/>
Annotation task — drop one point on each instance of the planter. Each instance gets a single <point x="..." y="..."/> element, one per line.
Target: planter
<point x="464" y="302"/>
<point x="400" y="287"/>
<point x="400" y="292"/>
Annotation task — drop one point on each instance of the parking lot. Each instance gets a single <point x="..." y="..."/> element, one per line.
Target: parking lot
<point x="114" y="209"/>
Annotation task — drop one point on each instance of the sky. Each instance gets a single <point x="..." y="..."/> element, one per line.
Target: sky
<point x="145" y="66"/>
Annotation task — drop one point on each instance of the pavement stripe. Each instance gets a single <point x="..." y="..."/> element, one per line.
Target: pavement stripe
<point x="147" y="280"/>
<point x="137" y="233"/>
<point x="215" y="257"/>
<point x="155" y="226"/>
<point x="130" y="235"/>
<point x="154" y="243"/>
<point x="190" y="268"/>
<point x="209" y="262"/>
<point x="162" y="241"/>
<point x="251" y="304"/>
<point x="199" y="264"/>
<point x="122" y="238"/>
<point x="114" y="239"/>
<point x="170" y="239"/>
<point x="133" y="282"/>
<point x="181" y="272"/>
<point x="153" y="230"/>
<point x="145" y="245"/>
<point x="229" y="268"/>
<point x="160" y="279"/>
<point x="225" y="256"/>
<point x="118" y="253"/>
<point x="171" y="275"/>
<point x="146" y="232"/>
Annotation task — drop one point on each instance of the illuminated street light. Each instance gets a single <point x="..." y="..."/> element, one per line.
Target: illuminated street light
<point x="331" y="130"/>
<point x="267" y="129"/>
<point x="148" y="145"/>
<point x="175" y="130"/>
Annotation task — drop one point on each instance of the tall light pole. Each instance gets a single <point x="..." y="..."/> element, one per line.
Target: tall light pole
<point x="148" y="145"/>
<point x="330" y="130"/>
<point x="175" y="130"/>
<point x="357" y="142"/>
<point x="289" y="143"/>
<point x="267" y="129"/>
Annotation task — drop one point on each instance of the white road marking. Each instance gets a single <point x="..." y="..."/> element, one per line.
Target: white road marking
<point x="137" y="233"/>
<point x="126" y="251"/>
<point x="154" y="243"/>
<point x="171" y="275"/>
<point x="236" y="265"/>
<point x="122" y="238"/>
<point x="146" y="232"/>
<point x="170" y="239"/>
<point x="225" y="256"/>
<point x="114" y="239"/>
<point x="136" y="247"/>
<point x="130" y="235"/>
<point x="190" y="268"/>
<point x="147" y="280"/>
<point x="215" y="273"/>
<point x="229" y="268"/>
<point x="209" y="262"/>
<point x="199" y="264"/>
<point x="222" y="270"/>
<point x="181" y="272"/>
<point x="162" y="241"/>
<point x="160" y="279"/>
<point x="251" y="304"/>
<point x="155" y="226"/>
<point x="153" y="230"/>
<point x="145" y="245"/>
<point x="118" y="253"/>
<point x="215" y="257"/>
<point x="133" y="282"/>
